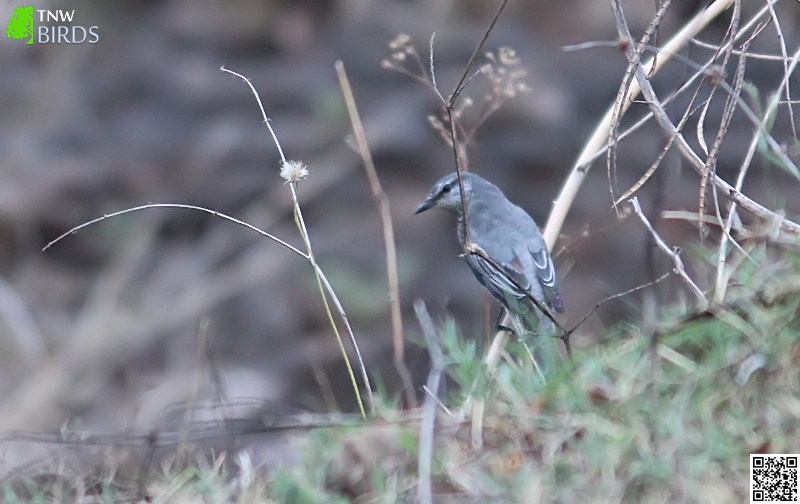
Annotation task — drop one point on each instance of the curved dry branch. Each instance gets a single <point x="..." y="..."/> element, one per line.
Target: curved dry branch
<point x="598" y="140"/>
<point x="657" y="108"/>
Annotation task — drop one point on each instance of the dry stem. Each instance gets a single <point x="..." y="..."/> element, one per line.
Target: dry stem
<point x="674" y="253"/>
<point x="320" y="282"/>
<point x="425" y="457"/>
<point x="382" y="202"/>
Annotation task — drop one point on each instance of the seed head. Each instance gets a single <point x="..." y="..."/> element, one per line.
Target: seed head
<point x="293" y="171"/>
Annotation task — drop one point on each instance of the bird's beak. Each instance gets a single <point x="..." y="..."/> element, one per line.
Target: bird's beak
<point x="428" y="203"/>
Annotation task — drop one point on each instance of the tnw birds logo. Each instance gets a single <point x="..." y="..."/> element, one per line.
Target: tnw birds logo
<point x="43" y="26"/>
<point x="20" y="24"/>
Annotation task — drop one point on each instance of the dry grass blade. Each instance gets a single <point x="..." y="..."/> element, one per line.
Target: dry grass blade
<point x="323" y="278"/>
<point x="382" y="202"/>
<point x="425" y="461"/>
<point x="150" y="206"/>
<point x="322" y="283"/>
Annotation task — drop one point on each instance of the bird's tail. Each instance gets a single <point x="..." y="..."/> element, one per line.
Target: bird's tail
<point x="538" y="333"/>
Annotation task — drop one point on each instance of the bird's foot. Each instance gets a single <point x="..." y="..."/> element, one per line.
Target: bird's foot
<point x="501" y="327"/>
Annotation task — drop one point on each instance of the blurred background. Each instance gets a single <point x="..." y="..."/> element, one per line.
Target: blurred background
<point x="123" y="319"/>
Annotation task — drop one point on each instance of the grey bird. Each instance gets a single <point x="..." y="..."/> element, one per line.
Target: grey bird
<point x="510" y="237"/>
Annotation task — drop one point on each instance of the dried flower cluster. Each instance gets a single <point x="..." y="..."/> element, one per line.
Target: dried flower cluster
<point x="401" y="48"/>
<point x="505" y="73"/>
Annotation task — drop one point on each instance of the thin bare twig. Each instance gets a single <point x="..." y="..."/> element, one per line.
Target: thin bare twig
<point x="459" y="88"/>
<point x="684" y="215"/>
<point x="469" y="246"/>
<point x="176" y="205"/>
<point x="599" y="136"/>
<point x="437" y="401"/>
<point x="433" y="69"/>
<point x="697" y="164"/>
<point x="733" y="93"/>
<point x="449" y="107"/>
<point x="673" y="253"/>
<point x="786" y="71"/>
<point x="619" y="106"/>
<point x="721" y="285"/>
<point x="474" y="249"/>
<point x="223" y="216"/>
<point x="704" y="71"/>
<point x="650" y="171"/>
<point x="382" y="202"/>
<point x="478" y="407"/>
<point x="298" y="215"/>
<point x="749" y="55"/>
<point x="617" y="296"/>
<point x="727" y="115"/>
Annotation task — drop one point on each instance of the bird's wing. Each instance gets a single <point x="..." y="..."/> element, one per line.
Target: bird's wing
<point x="511" y="238"/>
<point x="533" y="269"/>
<point x="546" y="274"/>
<point x="512" y="272"/>
<point x="499" y="282"/>
<point x="528" y="263"/>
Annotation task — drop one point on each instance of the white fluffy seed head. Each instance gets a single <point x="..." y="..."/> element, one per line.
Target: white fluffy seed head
<point x="293" y="171"/>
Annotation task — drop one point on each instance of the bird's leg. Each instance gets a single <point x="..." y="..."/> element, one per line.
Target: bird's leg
<point x="498" y="324"/>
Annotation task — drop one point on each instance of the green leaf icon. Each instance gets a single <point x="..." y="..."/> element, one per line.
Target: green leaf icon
<point x="20" y="24"/>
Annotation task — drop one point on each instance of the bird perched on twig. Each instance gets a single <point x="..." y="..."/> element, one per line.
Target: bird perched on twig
<point x="512" y="262"/>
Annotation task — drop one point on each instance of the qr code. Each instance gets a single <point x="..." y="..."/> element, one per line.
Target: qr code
<point x="773" y="478"/>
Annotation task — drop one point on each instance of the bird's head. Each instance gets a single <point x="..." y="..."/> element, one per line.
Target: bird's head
<point x="445" y="193"/>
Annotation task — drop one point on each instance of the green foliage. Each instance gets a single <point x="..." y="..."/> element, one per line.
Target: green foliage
<point x="663" y="410"/>
<point x="463" y="356"/>
<point x="666" y="409"/>
<point x="293" y="488"/>
<point x="760" y="110"/>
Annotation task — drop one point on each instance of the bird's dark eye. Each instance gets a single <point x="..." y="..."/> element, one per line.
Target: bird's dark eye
<point x="446" y="189"/>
